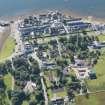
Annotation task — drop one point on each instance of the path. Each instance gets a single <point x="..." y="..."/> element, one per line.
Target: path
<point x="59" y="47"/>
<point x="44" y="90"/>
<point x="42" y="81"/>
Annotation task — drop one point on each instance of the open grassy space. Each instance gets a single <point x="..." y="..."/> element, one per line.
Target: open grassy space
<point x="44" y="40"/>
<point x="57" y="94"/>
<point x="101" y="37"/>
<point x="8" y="81"/>
<point x="32" y="98"/>
<point x="99" y="68"/>
<point x="61" y="94"/>
<point x="93" y="99"/>
<point x="8" y="48"/>
<point x="48" y="84"/>
<point x="25" y="103"/>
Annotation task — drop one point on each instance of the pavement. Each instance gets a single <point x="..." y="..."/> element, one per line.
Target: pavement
<point x="41" y="74"/>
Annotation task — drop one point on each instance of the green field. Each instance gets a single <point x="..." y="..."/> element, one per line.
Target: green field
<point x="8" y="81"/>
<point x="8" y="48"/>
<point x="93" y="99"/>
<point x="48" y="84"/>
<point x="101" y="37"/>
<point x="99" y="68"/>
<point x="25" y="103"/>
<point x="57" y="94"/>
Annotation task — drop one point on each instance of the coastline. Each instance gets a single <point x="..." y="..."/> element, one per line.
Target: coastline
<point x="91" y="19"/>
<point x="18" y="16"/>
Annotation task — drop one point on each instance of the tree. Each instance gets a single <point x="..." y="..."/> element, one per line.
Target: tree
<point x="32" y="103"/>
<point x="71" y="94"/>
<point x="84" y="32"/>
<point x="63" y="39"/>
<point x="3" y="69"/>
<point x="17" y="97"/>
<point x="18" y="62"/>
<point x="8" y="65"/>
<point x="60" y="62"/>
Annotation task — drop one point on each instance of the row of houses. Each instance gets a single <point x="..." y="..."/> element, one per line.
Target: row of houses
<point x="53" y="23"/>
<point x="82" y="69"/>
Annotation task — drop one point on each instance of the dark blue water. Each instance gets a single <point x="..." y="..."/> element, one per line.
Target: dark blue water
<point x="85" y="7"/>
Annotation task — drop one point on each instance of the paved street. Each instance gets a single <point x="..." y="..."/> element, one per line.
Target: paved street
<point x="42" y="81"/>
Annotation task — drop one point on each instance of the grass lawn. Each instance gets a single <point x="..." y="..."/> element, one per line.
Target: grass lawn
<point x="99" y="68"/>
<point x="7" y="49"/>
<point x="46" y="77"/>
<point x="48" y="84"/>
<point x="57" y="94"/>
<point x="94" y="99"/>
<point x="99" y="83"/>
<point x="101" y="37"/>
<point x="8" y="81"/>
<point x="25" y="103"/>
<point x="32" y="98"/>
<point x="44" y="40"/>
<point x="61" y="94"/>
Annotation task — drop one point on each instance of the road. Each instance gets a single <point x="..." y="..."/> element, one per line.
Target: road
<point x="42" y="81"/>
<point x="36" y="58"/>
<point x="44" y="90"/>
<point x="59" y="46"/>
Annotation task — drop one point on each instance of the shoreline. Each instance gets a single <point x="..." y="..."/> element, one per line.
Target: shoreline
<point x="65" y="12"/>
<point x="91" y="19"/>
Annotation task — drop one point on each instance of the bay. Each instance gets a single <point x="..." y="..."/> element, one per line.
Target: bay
<point x="94" y="8"/>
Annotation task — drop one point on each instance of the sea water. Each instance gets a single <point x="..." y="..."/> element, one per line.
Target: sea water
<point x="84" y="7"/>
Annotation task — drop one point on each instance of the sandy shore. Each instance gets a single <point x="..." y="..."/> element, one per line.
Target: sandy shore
<point x="66" y="12"/>
<point x="85" y="18"/>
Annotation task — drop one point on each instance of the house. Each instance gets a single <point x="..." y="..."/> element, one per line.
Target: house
<point x="92" y="75"/>
<point x="66" y="71"/>
<point x="28" y="48"/>
<point x="77" y="24"/>
<point x="80" y="62"/>
<point x="57" y="89"/>
<point x="30" y="87"/>
<point x="42" y="16"/>
<point x="70" y="19"/>
<point x="57" y="101"/>
<point x="54" y="53"/>
<point x="98" y="45"/>
<point x="49" y="64"/>
<point x="81" y="73"/>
